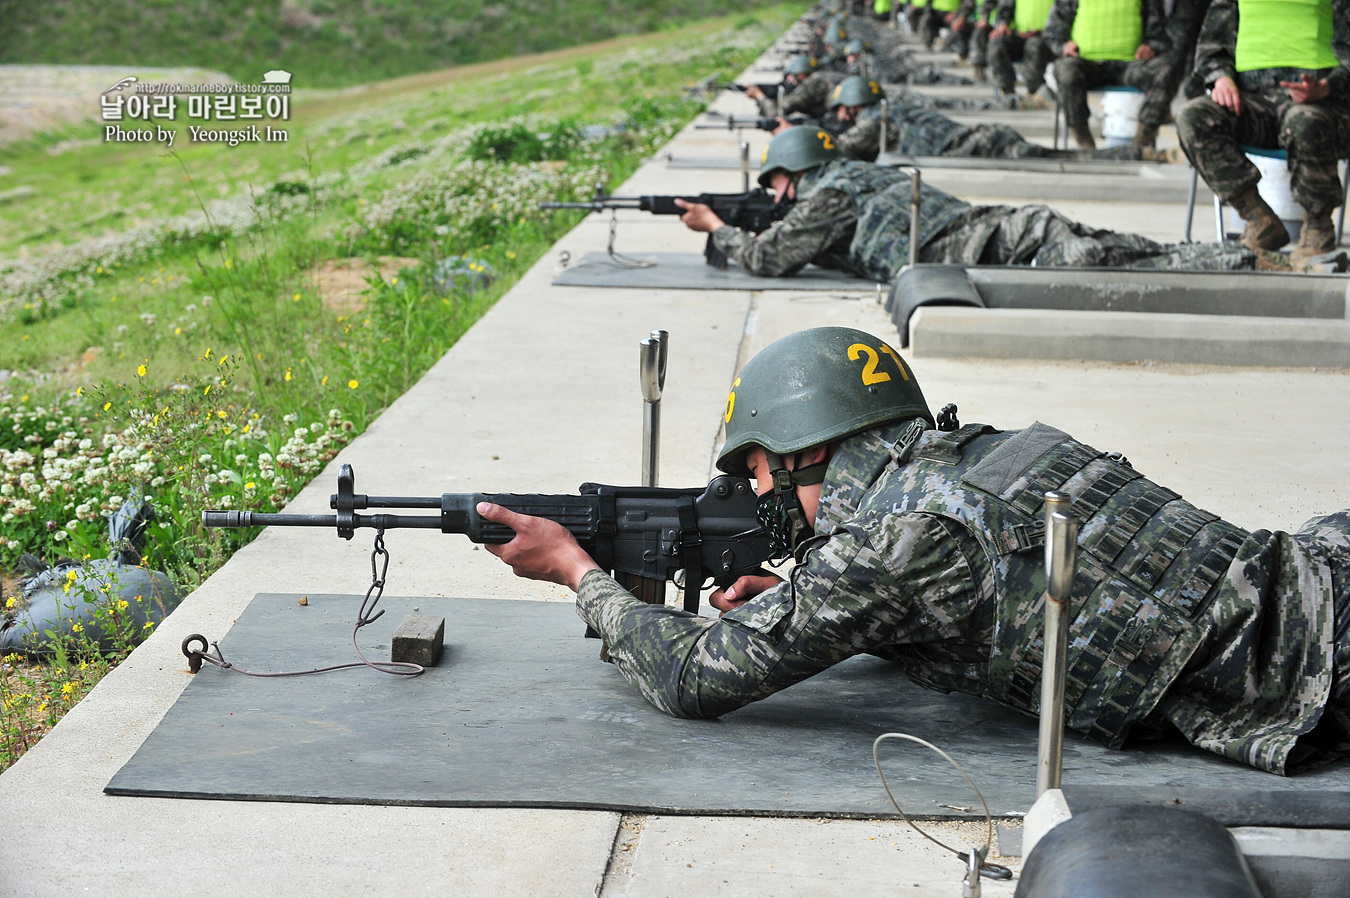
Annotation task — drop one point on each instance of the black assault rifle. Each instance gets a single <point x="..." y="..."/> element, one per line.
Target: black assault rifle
<point x="754" y="211"/>
<point x="764" y="124"/>
<point x="712" y="85"/>
<point x="645" y="536"/>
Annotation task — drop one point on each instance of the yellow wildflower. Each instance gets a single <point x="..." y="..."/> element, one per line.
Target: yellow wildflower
<point x="353" y="384"/>
<point x="77" y="628"/>
<point x="67" y="688"/>
<point x="140" y="371"/>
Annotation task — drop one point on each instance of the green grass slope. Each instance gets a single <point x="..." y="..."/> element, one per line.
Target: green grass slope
<point x="325" y="43"/>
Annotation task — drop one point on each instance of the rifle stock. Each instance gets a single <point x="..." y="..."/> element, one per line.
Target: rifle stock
<point x="649" y="532"/>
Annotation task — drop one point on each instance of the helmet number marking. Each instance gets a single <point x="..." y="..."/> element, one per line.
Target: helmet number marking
<point x="825" y="140"/>
<point x="731" y="401"/>
<point x="870" y="374"/>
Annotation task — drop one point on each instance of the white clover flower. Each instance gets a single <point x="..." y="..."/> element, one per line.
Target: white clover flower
<point x="204" y="458"/>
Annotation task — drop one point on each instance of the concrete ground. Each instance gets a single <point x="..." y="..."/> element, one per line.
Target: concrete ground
<point x="541" y="395"/>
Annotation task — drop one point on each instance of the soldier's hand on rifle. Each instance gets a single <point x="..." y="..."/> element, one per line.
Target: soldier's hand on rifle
<point x="754" y="93"/>
<point x="542" y="549"/>
<point x="699" y="217"/>
<point x="743" y="590"/>
<point x="1307" y="90"/>
<point x="1225" y="93"/>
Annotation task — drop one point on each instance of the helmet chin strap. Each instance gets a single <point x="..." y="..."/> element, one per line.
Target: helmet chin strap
<point x="785" y="485"/>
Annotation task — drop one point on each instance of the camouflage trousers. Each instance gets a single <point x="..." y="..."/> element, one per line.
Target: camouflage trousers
<point x="1002" y="142"/>
<point x="1038" y="235"/>
<point x="1316" y="135"/>
<point x="979" y="46"/>
<point x="1076" y="76"/>
<point x="1029" y="50"/>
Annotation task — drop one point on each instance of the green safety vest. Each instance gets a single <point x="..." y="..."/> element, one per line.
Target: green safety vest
<point x="1108" y="29"/>
<point x="1284" y="33"/>
<point x="881" y="7"/>
<point x="946" y="5"/>
<point x="1030" y="15"/>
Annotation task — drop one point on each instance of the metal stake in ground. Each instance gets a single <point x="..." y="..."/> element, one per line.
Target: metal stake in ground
<point x="1061" y="556"/>
<point x="915" y="211"/>
<point x="745" y="174"/>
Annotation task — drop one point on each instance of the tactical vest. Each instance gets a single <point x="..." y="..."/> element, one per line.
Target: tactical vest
<point x="1030" y="15"/>
<point x="1108" y="29"/>
<point x="882" y="196"/>
<point x="1148" y="564"/>
<point x="1284" y="34"/>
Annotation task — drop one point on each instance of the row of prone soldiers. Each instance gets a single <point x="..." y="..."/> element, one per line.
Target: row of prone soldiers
<point x="1277" y="74"/>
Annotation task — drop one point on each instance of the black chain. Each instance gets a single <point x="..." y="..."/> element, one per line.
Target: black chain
<point x="365" y="615"/>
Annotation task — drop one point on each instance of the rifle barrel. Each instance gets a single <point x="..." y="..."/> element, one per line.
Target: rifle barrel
<point x="262" y="519"/>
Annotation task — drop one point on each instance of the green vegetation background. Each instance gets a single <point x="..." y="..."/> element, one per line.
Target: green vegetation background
<point x="374" y="39"/>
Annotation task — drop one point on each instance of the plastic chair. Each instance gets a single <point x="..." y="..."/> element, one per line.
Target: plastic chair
<point x="1219" y="231"/>
<point x="1059" y="107"/>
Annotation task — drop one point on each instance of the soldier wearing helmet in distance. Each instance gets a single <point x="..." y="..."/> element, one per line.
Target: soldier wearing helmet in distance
<point x="855" y="216"/>
<point x="919" y="540"/>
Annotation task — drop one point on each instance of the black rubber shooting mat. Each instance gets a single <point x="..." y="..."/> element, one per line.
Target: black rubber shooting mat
<point x="522" y="713"/>
<point x="688" y="271"/>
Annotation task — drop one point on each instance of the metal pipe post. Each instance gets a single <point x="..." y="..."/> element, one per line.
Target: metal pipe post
<point x="745" y="167"/>
<point x="1061" y="557"/>
<point x="915" y="213"/>
<point x="885" y="121"/>
<point x="652" y="375"/>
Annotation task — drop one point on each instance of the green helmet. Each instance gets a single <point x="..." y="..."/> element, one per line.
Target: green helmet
<point x="857" y="47"/>
<point x="800" y="64"/>
<point x="814" y="387"/>
<point x="794" y="150"/>
<point x="855" y="91"/>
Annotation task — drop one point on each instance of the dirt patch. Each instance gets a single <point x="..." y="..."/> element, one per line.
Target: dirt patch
<point x="342" y="283"/>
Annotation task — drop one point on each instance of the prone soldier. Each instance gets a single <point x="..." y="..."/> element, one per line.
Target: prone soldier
<point x="855" y="216"/>
<point x="921" y="546"/>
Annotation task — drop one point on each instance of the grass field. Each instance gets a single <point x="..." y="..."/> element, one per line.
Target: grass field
<point x="174" y="321"/>
<point x="374" y="39"/>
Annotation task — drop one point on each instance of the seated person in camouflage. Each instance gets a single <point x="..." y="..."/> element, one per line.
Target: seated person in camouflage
<point x="1105" y="42"/>
<point x="979" y="12"/>
<point x="855" y="216"/>
<point x="1016" y="37"/>
<point x="1280" y="77"/>
<point x="937" y="13"/>
<point x="919" y="131"/>
<point x="923" y="546"/>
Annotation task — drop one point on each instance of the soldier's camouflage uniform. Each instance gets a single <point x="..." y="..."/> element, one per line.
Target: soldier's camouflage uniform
<point x="918" y="131"/>
<point x="855" y="216"/>
<point x="1076" y="76"/>
<point x="1183" y="32"/>
<point x="930" y="556"/>
<point x="979" y="13"/>
<point x="1029" y="49"/>
<point x="1316" y="134"/>
<point x="810" y="98"/>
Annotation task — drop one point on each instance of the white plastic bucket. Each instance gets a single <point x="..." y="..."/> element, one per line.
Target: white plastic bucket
<point x="1276" y="190"/>
<point x="1120" y="116"/>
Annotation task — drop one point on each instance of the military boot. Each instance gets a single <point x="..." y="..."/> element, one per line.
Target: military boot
<point x="1146" y="136"/>
<point x="1318" y="237"/>
<point x="1082" y="135"/>
<point x="1264" y="229"/>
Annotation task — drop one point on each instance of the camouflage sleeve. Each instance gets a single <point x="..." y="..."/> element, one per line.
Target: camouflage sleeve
<point x="1155" y="25"/>
<point x="1059" y="25"/>
<point x="844" y="600"/>
<point x="1003" y="15"/>
<point x="815" y="224"/>
<point x="810" y="96"/>
<point x="1214" y="50"/>
<point x="863" y="140"/>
